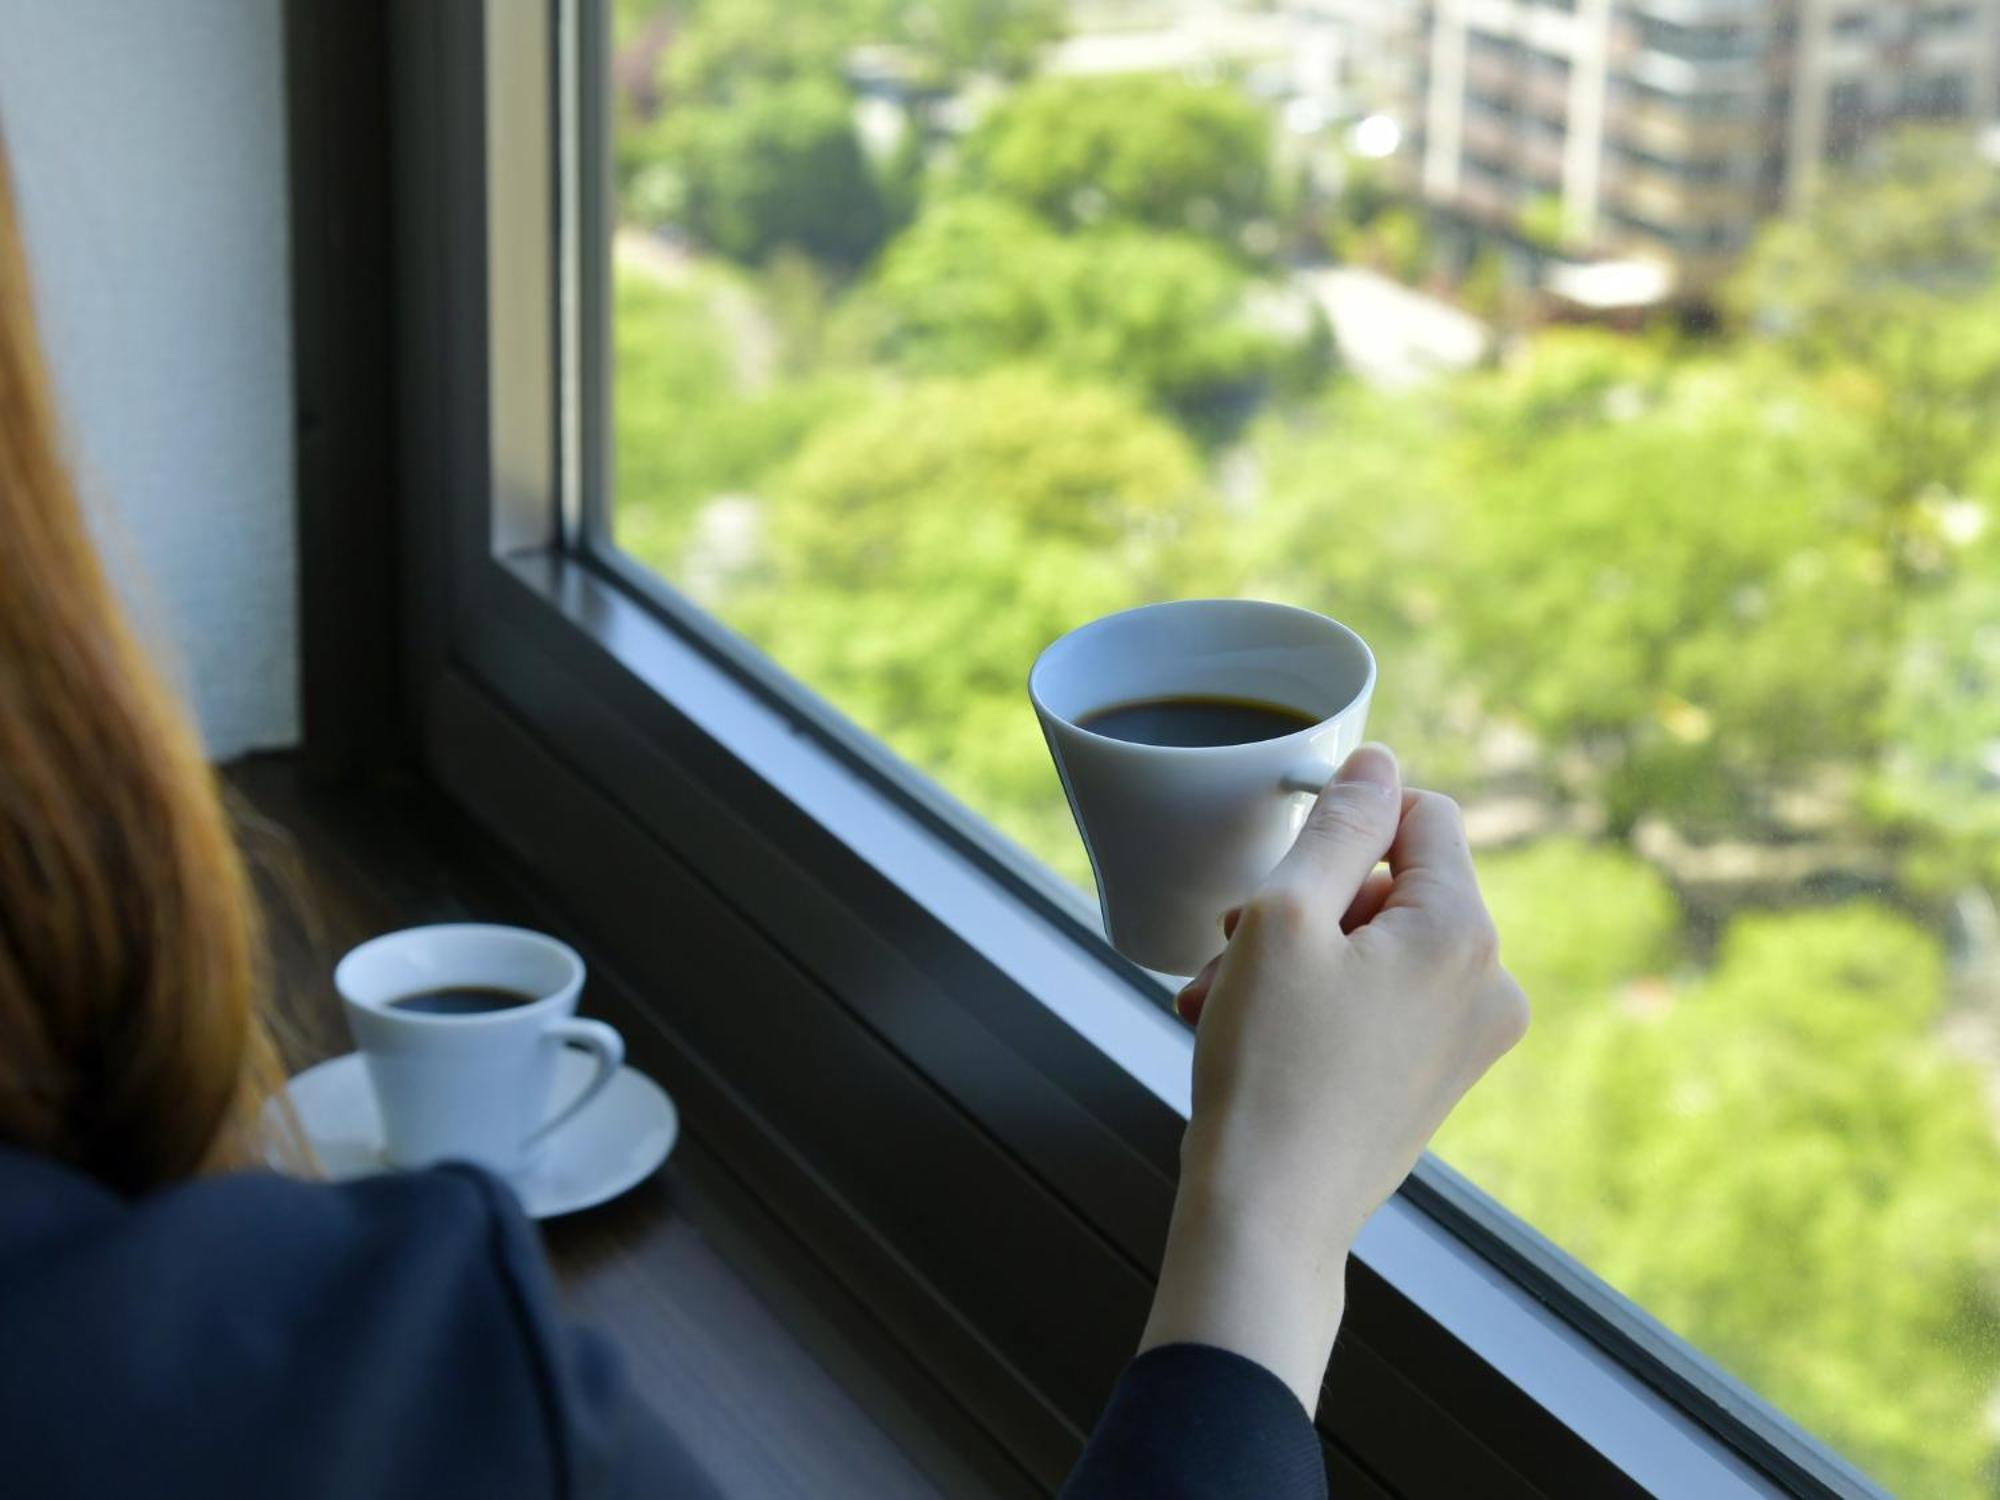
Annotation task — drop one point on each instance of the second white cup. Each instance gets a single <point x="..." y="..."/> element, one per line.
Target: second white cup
<point x="460" y="1026"/>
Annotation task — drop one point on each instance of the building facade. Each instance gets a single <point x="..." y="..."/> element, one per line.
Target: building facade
<point x="1666" y="129"/>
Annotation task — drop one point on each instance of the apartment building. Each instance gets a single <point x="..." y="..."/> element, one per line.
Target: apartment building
<point x="1665" y="129"/>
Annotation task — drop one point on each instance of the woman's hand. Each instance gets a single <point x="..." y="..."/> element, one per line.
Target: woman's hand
<point x="1350" y="1011"/>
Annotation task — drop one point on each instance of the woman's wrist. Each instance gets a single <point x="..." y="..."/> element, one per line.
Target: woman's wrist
<point x="1236" y="1172"/>
<point x="1241" y="1277"/>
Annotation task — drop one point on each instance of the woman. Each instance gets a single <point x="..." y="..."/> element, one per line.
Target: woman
<point x="177" y="1325"/>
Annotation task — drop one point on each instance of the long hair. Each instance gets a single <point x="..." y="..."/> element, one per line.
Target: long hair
<point x="130" y="953"/>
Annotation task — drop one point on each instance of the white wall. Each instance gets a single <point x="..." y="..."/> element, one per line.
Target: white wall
<point x="148" y="145"/>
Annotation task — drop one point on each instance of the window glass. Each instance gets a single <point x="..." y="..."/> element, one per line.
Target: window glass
<point x="1707" y="42"/>
<point x="1672" y="511"/>
<point x="1945" y="18"/>
<point x="1943" y="96"/>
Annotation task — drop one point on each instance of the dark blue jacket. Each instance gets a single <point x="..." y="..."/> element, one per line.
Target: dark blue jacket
<point x="252" y="1336"/>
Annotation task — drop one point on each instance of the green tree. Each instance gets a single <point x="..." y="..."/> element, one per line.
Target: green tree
<point x="777" y="166"/>
<point x="1888" y="283"/>
<point x="685" y="432"/>
<point x="1577" y="920"/>
<point x="979" y="282"/>
<point x="920" y="552"/>
<point x="1483" y="288"/>
<point x="628" y="16"/>
<point x="1920" y="213"/>
<point x="952" y="38"/>
<point x="1395" y="241"/>
<point x="1544" y="222"/>
<point x="753" y="148"/>
<point x="1656" y="563"/>
<point x="733" y="48"/>
<point x="1141" y="149"/>
<point x="1677" y="581"/>
<point x="1780" y="1163"/>
<point x="1940" y="778"/>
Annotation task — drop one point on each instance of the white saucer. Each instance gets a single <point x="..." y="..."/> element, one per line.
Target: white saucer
<point x="616" y="1142"/>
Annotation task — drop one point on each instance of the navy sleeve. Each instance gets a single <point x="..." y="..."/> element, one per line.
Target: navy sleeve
<point x="1191" y="1422"/>
<point x="608" y="1445"/>
<point x="249" y="1336"/>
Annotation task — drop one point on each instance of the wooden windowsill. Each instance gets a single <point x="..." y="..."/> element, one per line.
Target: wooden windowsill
<point x="767" y="1370"/>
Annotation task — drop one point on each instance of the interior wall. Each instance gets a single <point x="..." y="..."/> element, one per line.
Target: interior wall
<point x="147" y="141"/>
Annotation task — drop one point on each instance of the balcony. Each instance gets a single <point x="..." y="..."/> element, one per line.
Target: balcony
<point x="1669" y="130"/>
<point x="1491" y="136"/>
<point x="1492" y="73"/>
<point x="1699" y="12"/>
<point x="1546" y="91"/>
<point x="1673" y="201"/>
<point x="1482" y="197"/>
<point x="1541" y="155"/>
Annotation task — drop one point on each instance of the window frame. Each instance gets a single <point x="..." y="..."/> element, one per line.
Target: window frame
<point x="634" y="750"/>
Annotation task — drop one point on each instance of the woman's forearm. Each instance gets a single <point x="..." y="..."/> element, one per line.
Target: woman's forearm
<point x="1238" y="1277"/>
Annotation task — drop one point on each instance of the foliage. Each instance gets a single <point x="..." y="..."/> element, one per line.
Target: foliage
<point x="980" y="518"/>
<point x="1366" y="190"/>
<point x="1544" y="222"/>
<point x="1658" y="565"/>
<point x="628" y="16"/>
<point x="1395" y="241"/>
<point x="1919" y="214"/>
<point x="1140" y="149"/>
<point x="952" y="38"/>
<point x="1940" y="781"/>
<point x="777" y="166"/>
<point x="732" y="49"/>
<point x="1781" y="1164"/>
<point x="978" y="282"/>
<point x="1888" y="281"/>
<point x="676" y="378"/>
<point x="1619" y="922"/>
<point x="1723" y="612"/>
<point x="1483" y="288"/>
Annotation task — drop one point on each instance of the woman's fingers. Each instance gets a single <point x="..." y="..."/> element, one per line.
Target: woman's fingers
<point x="1374" y="896"/>
<point x="1430" y="841"/>
<point x="1194" y="994"/>
<point x="1343" y="838"/>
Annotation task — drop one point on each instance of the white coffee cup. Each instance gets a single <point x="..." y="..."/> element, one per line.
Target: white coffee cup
<point x="470" y="1087"/>
<point x="1177" y="834"/>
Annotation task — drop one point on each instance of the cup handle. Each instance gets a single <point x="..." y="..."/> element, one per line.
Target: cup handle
<point x="1309" y="779"/>
<point x="604" y="1044"/>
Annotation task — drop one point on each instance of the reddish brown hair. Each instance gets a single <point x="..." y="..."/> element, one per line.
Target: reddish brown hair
<point x="130" y="1044"/>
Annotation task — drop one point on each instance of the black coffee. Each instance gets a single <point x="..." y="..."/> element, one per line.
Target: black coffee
<point x="1196" y="721"/>
<point x="461" y="1000"/>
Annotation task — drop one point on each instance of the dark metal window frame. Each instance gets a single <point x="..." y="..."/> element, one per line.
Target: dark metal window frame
<point x="903" y="1035"/>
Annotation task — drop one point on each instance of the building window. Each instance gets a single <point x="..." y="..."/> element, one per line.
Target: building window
<point x="1945" y="18"/>
<point x="1703" y="238"/>
<point x="1942" y="96"/>
<point x="1847" y="102"/>
<point x="1704" y="104"/>
<point x="1698" y="169"/>
<point x="1707" y="43"/>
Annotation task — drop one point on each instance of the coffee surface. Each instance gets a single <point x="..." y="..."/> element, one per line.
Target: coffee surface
<point x="1192" y="721"/>
<point x="461" y="1000"/>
